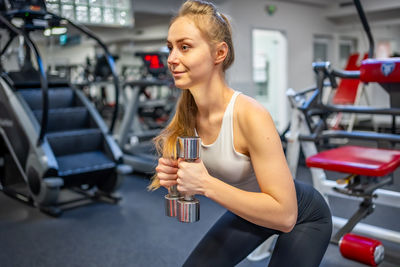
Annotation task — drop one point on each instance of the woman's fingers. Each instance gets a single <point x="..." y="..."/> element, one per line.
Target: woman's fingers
<point x="167" y="180"/>
<point x="167" y="176"/>
<point x="167" y="183"/>
<point x="169" y="162"/>
<point x="167" y="172"/>
<point x="166" y="169"/>
<point x="191" y="177"/>
<point x="167" y="166"/>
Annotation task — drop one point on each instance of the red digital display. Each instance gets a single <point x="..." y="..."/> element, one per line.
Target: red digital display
<point x="154" y="61"/>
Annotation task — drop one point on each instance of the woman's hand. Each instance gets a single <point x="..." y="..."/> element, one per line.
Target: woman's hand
<point x="191" y="177"/>
<point x="167" y="172"/>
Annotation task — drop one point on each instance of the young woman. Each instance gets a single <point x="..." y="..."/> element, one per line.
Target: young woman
<point x="242" y="165"/>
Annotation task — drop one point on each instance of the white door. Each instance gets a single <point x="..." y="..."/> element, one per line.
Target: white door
<point x="270" y="73"/>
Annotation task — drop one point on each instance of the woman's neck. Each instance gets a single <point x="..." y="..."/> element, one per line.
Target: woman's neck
<point x="211" y="97"/>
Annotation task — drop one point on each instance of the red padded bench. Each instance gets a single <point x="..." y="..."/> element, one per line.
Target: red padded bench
<point x="357" y="160"/>
<point x="364" y="165"/>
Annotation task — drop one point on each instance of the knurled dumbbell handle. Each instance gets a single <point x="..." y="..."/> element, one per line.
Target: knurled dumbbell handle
<point x="186" y="196"/>
<point x="173" y="191"/>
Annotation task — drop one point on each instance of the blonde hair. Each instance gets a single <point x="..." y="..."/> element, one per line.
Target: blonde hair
<point x="216" y="28"/>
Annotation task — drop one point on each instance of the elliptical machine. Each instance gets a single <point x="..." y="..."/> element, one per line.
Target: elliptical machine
<point x="51" y="137"/>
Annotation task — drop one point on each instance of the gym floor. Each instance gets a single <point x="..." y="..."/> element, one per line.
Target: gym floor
<point x="135" y="232"/>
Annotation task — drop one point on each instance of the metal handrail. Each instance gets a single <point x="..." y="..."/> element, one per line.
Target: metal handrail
<point x="110" y="61"/>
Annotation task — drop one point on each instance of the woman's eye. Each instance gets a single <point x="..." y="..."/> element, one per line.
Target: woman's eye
<point x="185" y="47"/>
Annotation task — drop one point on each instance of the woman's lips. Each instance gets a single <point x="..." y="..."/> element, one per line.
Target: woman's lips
<point x="178" y="73"/>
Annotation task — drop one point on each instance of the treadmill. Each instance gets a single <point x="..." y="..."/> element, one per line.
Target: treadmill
<point x="150" y="108"/>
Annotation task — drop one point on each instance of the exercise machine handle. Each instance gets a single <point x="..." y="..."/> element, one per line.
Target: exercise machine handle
<point x="346" y="74"/>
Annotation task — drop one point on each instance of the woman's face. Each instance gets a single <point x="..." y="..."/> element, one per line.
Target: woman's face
<point x="191" y="60"/>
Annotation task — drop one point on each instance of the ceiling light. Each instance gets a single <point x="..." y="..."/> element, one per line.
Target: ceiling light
<point x="55" y="31"/>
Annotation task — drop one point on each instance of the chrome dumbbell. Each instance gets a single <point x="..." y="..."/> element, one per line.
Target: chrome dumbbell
<point x="171" y="201"/>
<point x="188" y="207"/>
<point x="173" y="195"/>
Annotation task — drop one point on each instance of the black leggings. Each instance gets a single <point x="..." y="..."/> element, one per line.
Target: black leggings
<point x="232" y="238"/>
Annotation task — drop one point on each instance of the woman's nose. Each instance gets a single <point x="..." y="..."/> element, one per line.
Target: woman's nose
<point x="173" y="57"/>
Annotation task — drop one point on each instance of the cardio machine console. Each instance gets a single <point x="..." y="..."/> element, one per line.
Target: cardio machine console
<point x="32" y="12"/>
<point x="24" y="8"/>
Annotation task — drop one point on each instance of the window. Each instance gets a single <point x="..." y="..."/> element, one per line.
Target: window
<point x="322" y="48"/>
<point x="102" y="12"/>
<point x="346" y="48"/>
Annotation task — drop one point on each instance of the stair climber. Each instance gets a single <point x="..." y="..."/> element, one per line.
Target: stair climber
<point x="56" y="152"/>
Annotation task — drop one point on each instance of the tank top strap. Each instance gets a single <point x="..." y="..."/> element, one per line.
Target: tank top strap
<point x="229" y="108"/>
<point x="225" y="137"/>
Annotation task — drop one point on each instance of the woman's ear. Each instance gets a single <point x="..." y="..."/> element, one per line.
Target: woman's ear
<point x="221" y="51"/>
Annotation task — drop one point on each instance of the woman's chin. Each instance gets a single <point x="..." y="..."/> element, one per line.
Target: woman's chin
<point x="181" y="85"/>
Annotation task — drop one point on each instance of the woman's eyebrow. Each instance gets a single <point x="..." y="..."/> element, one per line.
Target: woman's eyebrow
<point x="180" y="40"/>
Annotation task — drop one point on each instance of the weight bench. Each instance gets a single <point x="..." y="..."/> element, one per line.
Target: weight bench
<point x="368" y="169"/>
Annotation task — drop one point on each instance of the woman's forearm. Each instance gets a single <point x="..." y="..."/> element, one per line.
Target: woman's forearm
<point x="256" y="207"/>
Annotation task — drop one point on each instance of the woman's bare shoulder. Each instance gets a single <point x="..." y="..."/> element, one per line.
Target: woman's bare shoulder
<point x="250" y="112"/>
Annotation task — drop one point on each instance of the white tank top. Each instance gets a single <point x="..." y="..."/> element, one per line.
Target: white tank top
<point x="223" y="161"/>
